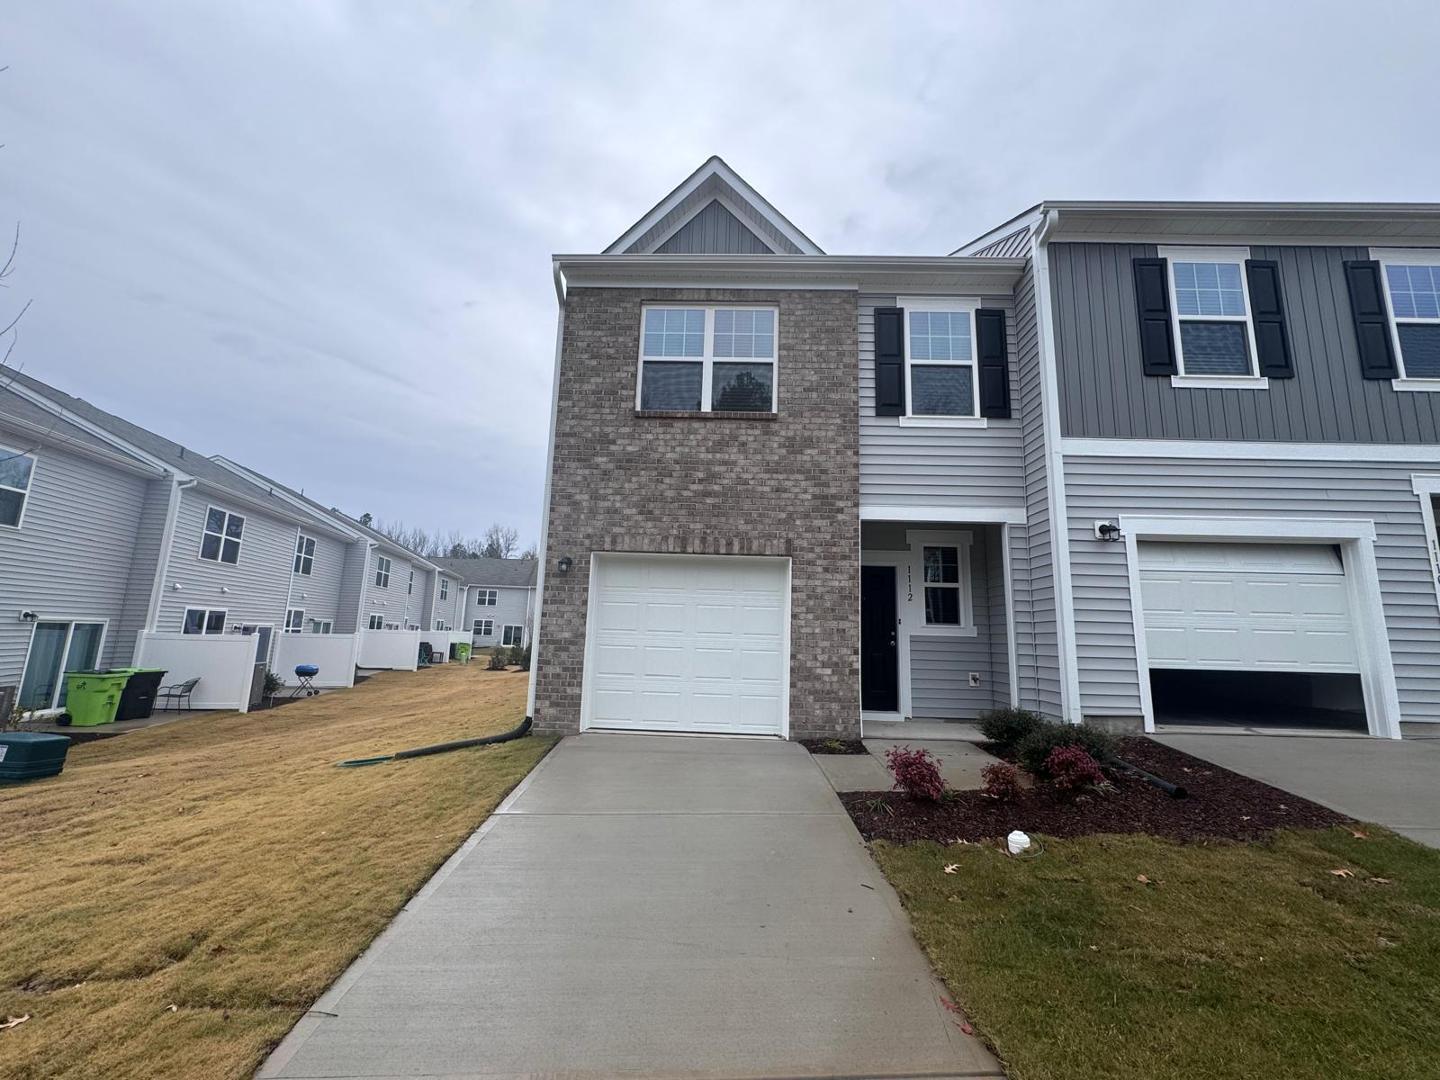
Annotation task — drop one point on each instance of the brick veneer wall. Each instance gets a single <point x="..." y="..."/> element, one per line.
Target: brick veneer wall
<point x="787" y="484"/>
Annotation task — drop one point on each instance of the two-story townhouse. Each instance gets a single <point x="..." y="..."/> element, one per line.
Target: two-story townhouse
<point x="1079" y="466"/>
<point x="498" y="605"/>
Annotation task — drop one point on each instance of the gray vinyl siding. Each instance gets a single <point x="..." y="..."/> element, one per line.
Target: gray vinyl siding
<point x="1015" y="245"/>
<point x="702" y="195"/>
<point x="145" y="560"/>
<point x="1104" y="392"/>
<point x="937" y="466"/>
<point x="393" y="602"/>
<point x="1036" y="631"/>
<point x="999" y="629"/>
<point x="348" y="616"/>
<point x="320" y="593"/>
<point x="257" y="586"/>
<point x="940" y="667"/>
<point x="421" y="600"/>
<point x="71" y="558"/>
<point x="512" y="606"/>
<point x="1107" y="487"/>
<point x="713" y="231"/>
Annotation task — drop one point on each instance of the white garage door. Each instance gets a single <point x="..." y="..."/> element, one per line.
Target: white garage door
<point x="1247" y="607"/>
<point x="688" y="643"/>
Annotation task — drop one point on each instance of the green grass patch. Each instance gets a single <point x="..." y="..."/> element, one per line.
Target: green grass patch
<point x="1228" y="961"/>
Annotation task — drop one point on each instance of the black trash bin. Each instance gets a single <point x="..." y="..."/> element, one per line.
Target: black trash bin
<point x="137" y="701"/>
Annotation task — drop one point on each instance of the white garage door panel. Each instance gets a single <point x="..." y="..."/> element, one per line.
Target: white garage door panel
<point x="688" y="643"/>
<point x="1256" y="607"/>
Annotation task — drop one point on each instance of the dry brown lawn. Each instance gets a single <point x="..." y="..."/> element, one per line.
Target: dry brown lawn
<point x="175" y="899"/>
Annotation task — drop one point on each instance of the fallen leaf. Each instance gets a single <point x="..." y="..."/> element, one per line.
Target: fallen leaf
<point x="951" y="868"/>
<point x="1358" y="835"/>
<point x="1094" y="948"/>
<point x="1142" y="879"/>
<point x="1342" y="872"/>
<point x="1380" y="881"/>
<point x="14" y="1021"/>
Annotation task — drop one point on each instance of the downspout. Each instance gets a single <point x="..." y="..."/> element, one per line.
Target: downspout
<point x="290" y="592"/>
<point x="1055" y="473"/>
<point x="162" y="570"/>
<point x="544" y="548"/>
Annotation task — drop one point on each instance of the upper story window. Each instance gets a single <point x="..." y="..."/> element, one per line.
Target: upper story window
<point x="1211" y="308"/>
<point x="707" y="359"/>
<point x="304" y="555"/>
<point x="444" y="588"/>
<point x="410" y="585"/>
<point x="15" y="472"/>
<point x="223" y="533"/>
<point x="941" y="374"/>
<point x="1412" y="285"/>
<point x="486" y="597"/>
<point x="382" y="572"/>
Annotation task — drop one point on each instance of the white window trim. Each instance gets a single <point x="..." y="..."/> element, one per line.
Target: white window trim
<point x="444" y="588"/>
<point x="515" y="639"/>
<point x="708" y="359"/>
<point x="1406" y="257"/>
<point x="970" y="305"/>
<point x="322" y="626"/>
<point x="104" y="625"/>
<point x="205" y="531"/>
<point x="489" y="630"/>
<point x="383" y="566"/>
<point x="300" y="541"/>
<point x="24" y="493"/>
<point x="371" y="618"/>
<point x="298" y="626"/>
<point x="912" y="587"/>
<point x="410" y="585"/>
<point x="481" y="594"/>
<point x="225" y="618"/>
<point x="1253" y="381"/>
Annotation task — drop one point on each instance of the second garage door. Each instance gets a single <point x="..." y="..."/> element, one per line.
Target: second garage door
<point x="688" y="643"/>
<point x="1247" y="607"/>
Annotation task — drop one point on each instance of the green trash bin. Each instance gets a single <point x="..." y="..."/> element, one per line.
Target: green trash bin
<point x="460" y="651"/>
<point x="92" y="697"/>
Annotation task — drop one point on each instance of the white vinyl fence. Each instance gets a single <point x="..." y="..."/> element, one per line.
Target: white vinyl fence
<point x="224" y="664"/>
<point x="441" y="640"/>
<point x="333" y="654"/>
<point x="389" y="650"/>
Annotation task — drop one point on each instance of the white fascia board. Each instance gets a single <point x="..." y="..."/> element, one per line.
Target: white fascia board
<point x="101" y="433"/>
<point x="320" y="518"/>
<point x="922" y="273"/>
<point x="1025" y="219"/>
<point x="1229" y="450"/>
<point x="948" y="515"/>
<point x="1190" y="527"/>
<point x="50" y="438"/>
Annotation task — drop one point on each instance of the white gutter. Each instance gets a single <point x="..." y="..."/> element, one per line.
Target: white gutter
<point x="103" y="434"/>
<point x="544" y="549"/>
<point x="1055" y="472"/>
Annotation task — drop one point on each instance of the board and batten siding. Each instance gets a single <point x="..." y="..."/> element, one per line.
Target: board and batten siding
<point x="1378" y="492"/>
<point x="713" y="231"/>
<point x="252" y="591"/>
<point x="319" y="594"/>
<point x="1104" y="392"/>
<point x="71" y="558"/>
<point x="513" y="606"/>
<point x="904" y="465"/>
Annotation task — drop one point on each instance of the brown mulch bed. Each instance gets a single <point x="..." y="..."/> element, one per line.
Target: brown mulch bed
<point x="834" y="746"/>
<point x="1220" y="805"/>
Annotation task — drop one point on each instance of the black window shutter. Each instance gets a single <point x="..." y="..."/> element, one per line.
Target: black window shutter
<point x="1372" y="320"/>
<point x="889" y="361"/>
<point x="1267" y="309"/>
<point x="994" y="364"/>
<point x="1152" y="302"/>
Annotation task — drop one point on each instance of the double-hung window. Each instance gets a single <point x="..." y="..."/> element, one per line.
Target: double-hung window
<point x="512" y="635"/>
<point x="15" y="472"/>
<point x="377" y="622"/>
<point x="382" y="573"/>
<point x="295" y="621"/>
<point x="1210" y="306"/>
<point x="444" y="588"/>
<point x="304" y="554"/>
<point x="486" y="597"/>
<point x="707" y="359"/>
<point x="942" y="377"/>
<point x="410" y="585"/>
<point x="1412" y="287"/>
<point x="220" y="541"/>
<point x="484" y="627"/>
<point x="203" y="621"/>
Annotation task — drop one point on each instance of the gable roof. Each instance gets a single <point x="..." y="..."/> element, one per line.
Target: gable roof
<point x="493" y="573"/>
<point x="715" y="183"/>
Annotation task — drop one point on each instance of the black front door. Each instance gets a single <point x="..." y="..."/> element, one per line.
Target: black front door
<point x="879" y="670"/>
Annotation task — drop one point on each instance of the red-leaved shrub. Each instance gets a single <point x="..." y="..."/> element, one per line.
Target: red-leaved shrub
<point x="1002" y="781"/>
<point x="916" y="772"/>
<point x="1070" y="769"/>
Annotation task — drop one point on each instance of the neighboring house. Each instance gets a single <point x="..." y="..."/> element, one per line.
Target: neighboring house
<point x="498" y="605"/>
<point x="1110" y="462"/>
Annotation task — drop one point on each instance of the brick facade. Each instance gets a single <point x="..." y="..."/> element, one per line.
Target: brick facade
<point x="726" y="484"/>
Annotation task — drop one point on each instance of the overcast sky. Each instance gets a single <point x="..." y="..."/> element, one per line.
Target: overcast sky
<point x="315" y="237"/>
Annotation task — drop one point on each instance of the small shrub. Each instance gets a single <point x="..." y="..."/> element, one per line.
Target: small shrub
<point x="1006" y="727"/>
<point x="916" y="773"/>
<point x="521" y="657"/>
<point x="1002" y="781"/>
<point x="499" y="658"/>
<point x="1071" y="769"/>
<point x="835" y="746"/>
<point x="273" y="683"/>
<point x="1033" y="750"/>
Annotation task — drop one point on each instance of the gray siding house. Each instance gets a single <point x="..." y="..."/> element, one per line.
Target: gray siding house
<point x="497" y="599"/>
<point x="1127" y="464"/>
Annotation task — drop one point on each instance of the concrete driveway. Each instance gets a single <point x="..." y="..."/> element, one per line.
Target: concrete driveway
<point x="647" y="906"/>
<point x="1395" y="783"/>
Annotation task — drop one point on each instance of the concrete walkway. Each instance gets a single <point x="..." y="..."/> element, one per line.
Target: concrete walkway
<point x="647" y="906"/>
<point x="1395" y="783"/>
<point x="961" y="764"/>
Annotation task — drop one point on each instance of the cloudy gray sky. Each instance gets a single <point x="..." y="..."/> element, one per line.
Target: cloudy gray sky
<point x="315" y="236"/>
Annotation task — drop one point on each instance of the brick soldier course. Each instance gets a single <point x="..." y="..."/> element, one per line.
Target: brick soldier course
<point x="786" y="484"/>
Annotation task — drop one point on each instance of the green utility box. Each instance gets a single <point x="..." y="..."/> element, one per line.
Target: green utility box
<point x="92" y="697"/>
<point x="460" y="650"/>
<point x="30" y="755"/>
